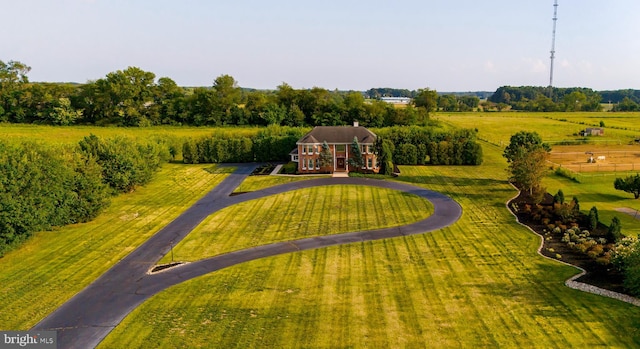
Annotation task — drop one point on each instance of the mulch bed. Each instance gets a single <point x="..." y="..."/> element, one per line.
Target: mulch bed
<point x="603" y="276"/>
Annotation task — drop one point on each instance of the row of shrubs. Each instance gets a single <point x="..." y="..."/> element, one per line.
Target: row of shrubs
<point x="270" y="144"/>
<point x="407" y="146"/>
<point x="421" y="145"/>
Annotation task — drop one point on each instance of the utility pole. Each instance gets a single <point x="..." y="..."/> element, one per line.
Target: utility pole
<point x="553" y="46"/>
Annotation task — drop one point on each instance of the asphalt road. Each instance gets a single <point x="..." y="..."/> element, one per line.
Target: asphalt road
<point x="89" y="316"/>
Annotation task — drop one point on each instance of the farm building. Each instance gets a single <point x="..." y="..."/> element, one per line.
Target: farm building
<point x="396" y="100"/>
<point x="339" y="139"/>
<point x="593" y="131"/>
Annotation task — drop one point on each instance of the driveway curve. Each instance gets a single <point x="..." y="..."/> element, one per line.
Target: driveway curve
<point x="84" y="320"/>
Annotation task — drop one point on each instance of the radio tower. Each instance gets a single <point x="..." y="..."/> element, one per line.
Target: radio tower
<point x="553" y="46"/>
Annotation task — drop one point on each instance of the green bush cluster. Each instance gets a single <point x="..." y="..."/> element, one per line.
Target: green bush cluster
<point x="126" y="163"/>
<point x="584" y="243"/>
<point x="42" y="187"/>
<point x="626" y="257"/>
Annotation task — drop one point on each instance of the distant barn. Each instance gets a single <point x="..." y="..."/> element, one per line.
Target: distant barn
<point x="593" y="131"/>
<point x="396" y="100"/>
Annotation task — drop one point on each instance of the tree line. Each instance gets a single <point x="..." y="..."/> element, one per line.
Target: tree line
<point x="134" y="97"/>
<point x="544" y="99"/>
<point x="42" y="187"/>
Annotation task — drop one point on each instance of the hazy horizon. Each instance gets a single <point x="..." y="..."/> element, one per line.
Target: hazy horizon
<point x="453" y="46"/>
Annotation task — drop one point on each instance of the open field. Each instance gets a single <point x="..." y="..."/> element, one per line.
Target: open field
<point x="300" y="214"/>
<point x="52" y="266"/>
<point x="73" y="134"/>
<point x="477" y="283"/>
<point x="619" y="120"/>
<point x="497" y="127"/>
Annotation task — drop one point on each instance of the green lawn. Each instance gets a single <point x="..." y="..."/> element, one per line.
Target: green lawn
<point x="477" y="283"/>
<point x="300" y="214"/>
<point x="52" y="266"/>
<point x="253" y="183"/>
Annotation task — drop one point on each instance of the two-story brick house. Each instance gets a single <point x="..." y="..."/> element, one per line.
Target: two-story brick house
<point x="339" y="139"/>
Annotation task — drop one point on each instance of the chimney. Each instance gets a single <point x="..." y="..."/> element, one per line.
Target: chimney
<point x="355" y="124"/>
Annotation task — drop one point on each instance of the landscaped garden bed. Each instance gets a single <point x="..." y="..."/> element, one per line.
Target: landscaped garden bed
<point x="571" y="241"/>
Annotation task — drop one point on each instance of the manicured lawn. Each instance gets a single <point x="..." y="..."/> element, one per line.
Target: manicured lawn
<point x="53" y="266"/>
<point x="300" y="214"/>
<point x="477" y="283"/>
<point x="253" y="183"/>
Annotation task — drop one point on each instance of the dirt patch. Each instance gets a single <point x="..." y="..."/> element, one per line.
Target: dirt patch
<point x="597" y="158"/>
<point x="599" y="275"/>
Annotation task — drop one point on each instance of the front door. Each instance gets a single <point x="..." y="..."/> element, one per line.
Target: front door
<point x="340" y="164"/>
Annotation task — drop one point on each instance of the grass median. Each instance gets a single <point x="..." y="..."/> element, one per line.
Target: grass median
<point x="299" y="214"/>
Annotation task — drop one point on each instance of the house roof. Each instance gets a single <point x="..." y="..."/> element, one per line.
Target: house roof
<point x="338" y="134"/>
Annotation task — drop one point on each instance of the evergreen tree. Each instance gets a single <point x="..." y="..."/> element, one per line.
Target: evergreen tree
<point x="615" y="229"/>
<point x="593" y="218"/>
<point x="356" y="159"/>
<point x="326" y="157"/>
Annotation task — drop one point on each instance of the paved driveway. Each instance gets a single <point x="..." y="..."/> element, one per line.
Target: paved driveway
<point x="84" y="320"/>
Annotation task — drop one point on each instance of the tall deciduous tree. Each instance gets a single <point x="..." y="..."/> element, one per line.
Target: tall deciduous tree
<point x="62" y="113"/>
<point x="527" y="156"/>
<point x="524" y="140"/>
<point x="13" y="80"/>
<point x="630" y="184"/>
<point x="227" y="95"/>
<point x="427" y="99"/>
<point x="528" y="168"/>
<point x="122" y="97"/>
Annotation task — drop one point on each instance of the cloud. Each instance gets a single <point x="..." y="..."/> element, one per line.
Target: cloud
<point x="534" y="65"/>
<point x="490" y="67"/>
<point x="585" y="67"/>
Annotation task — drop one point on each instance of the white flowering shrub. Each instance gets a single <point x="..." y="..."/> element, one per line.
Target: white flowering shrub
<point x="626" y="257"/>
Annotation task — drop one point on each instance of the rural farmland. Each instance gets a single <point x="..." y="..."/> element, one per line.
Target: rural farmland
<point x="476" y="283"/>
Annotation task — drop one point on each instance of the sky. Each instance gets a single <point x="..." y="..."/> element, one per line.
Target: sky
<point x="446" y="45"/>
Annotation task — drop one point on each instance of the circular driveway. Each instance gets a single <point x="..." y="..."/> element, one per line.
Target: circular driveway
<point x="84" y="320"/>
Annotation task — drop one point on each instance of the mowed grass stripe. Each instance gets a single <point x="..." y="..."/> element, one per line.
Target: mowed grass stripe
<point x="53" y="266"/>
<point x="477" y="283"/>
<point x="297" y="296"/>
<point x="298" y="214"/>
